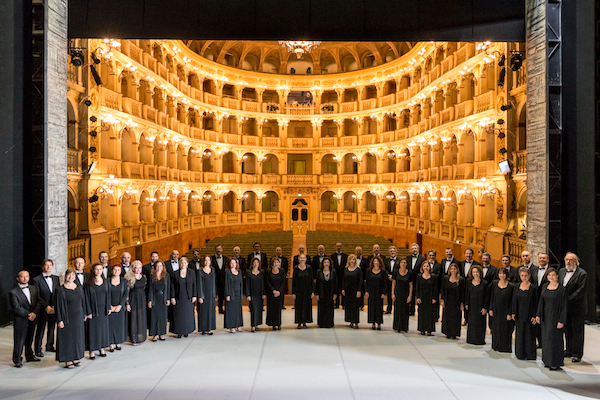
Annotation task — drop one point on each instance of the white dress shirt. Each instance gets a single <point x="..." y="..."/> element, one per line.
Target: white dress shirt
<point x="220" y="261"/>
<point x="468" y="265"/>
<point x="447" y="264"/>
<point x="568" y="277"/>
<point x="105" y="272"/>
<point x="25" y="289"/>
<point x="48" y="279"/>
<point x="175" y="265"/>
<point x="541" y="273"/>
<point x="393" y="264"/>
<point x="414" y="261"/>
<point x="80" y="277"/>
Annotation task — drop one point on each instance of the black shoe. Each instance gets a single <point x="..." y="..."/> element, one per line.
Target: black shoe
<point x="111" y="350"/>
<point x="51" y="349"/>
<point x="283" y="308"/>
<point x="19" y="365"/>
<point x="118" y="348"/>
<point x="576" y="359"/>
<point x="33" y="359"/>
<point x="39" y="354"/>
<point x="102" y="354"/>
<point x="209" y="333"/>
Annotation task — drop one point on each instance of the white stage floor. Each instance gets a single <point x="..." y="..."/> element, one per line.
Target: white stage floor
<point x="340" y="363"/>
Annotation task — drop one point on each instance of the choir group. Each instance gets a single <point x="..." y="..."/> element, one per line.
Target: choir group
<point x="97" y="311"/>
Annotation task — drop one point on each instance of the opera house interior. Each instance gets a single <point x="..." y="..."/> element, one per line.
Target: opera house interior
<point x="456" y="134"/>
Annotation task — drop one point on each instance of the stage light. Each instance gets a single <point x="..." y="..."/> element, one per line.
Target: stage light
<point x="516" y="61"/>
<point x="95" y="58"/>
<point x="95" y="75"/>
<point x="501" y="60"/>
<point x="501" y="77"/>
<point x="77" y="58"/>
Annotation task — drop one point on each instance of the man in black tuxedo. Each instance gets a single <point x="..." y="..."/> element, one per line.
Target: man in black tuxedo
<point x="435" y="266"/>
<point x="505" y="263"/>
<point x="465" y="267"/>
<point x="46" y="283"/>
<point x="283" y="261"/>
<point x="538" y="272"/>
<point x="317" y="260"/>
<point x="445" y="264"/>
<point x="574" y="279"/>
<point x="220" y="263"/>
<point x="264" y="260"/>
<point x="391" y="264"/>
<point x="415" y="260"/>
<point x="302" y="250"/>
<point x="515" y="276"/>
<point x="25" y="303"/>
<point x="376" y="253"/>
<point x="363" y="263"/>
<point x="490" y="273"/>
<point x="106" y="267"/>
<point x="126" y="263"/>
<point x="539" y="278"/>
<point x="172" y="264"/>
<point x="81" y="276"/>
<point x="147" y="269"/>
<point x="196" y="262"/>
<point x="339" y="260"/>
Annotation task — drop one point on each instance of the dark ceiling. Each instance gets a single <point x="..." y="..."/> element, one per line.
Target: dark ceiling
<point x="348" y="20"/>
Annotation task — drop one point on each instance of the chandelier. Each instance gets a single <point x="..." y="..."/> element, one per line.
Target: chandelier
<point x="299" y="47"/>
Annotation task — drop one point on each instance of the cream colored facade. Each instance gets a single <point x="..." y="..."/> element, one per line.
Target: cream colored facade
<point x="183" y="143"/>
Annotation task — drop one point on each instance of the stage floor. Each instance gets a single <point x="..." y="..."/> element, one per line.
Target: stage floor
<point x="340" y="363"/>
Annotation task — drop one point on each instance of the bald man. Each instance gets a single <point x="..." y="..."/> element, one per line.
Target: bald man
<point x="25" y="303"/>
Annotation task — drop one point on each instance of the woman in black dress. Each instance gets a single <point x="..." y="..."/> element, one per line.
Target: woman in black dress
<point x="452" y="302"/>
<point x="159" y="299"/>
<point x="274" y="286"/>
<point x="524" y="311"/>
<point x="119" y="290"/>
<point x="98" y="301"/>
<point x="552" y="314"/>
<point x="70" y="317"/>
<point x="375" y="291"/>
<point x="255" y="292"/>
<point x="183" y="298"/>
<point x="476" y="304"/>
<point x="233" y="297"/>
<point x="402" y="294"/>
<point x="500" y="308"/>
<point x="207" y="289"/>
<point x="137" y="303"/>
<point x="351" y="290"/>
<point x="302" y="290"/>
<point x="325" y="291"/>
<point x="427" y="295"/>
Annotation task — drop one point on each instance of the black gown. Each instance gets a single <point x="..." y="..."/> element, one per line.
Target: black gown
<point x="97" y="331"/>
<point x="401" y="307"/>
<point x="159" y="293"/>
<point x="325" y="288"/>
<point x="302" y="287"/>
<point x="376" y="286"/>
<point x="137" y="316"/>
<point x="183" y="290"/>
<point x="352" y="284"/>
<point x="116" y="320"/>
<point x="453" y="296"/>
<point x="207" y="290"/>
<point x="476" y="298"/>
<point x="70" y="309"/>
<point x="255" y="289"/>
<point x="274" y="304"/>
<point x="524" y="308"/>
<point x="233" y="308"/>
<point x="427" y="290"/>
<point x="502" y="329"/>
<point x="552" y="309"/>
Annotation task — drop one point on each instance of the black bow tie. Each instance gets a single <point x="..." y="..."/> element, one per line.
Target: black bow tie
<point x="47" y="276"/>
<point x="80" y="273"/>
<point x="25" y="287"/>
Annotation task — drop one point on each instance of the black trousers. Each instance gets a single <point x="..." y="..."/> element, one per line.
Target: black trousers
<point x="23" y="338"/>
<point x="45" y="320"/>
<point x="574" y="331"/>
<point x="390" y="302"/>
